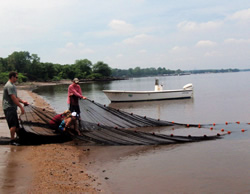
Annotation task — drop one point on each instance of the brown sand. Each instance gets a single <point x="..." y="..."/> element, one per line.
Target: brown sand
<point x="53" y="168"/>
<point x="57" y="168"/>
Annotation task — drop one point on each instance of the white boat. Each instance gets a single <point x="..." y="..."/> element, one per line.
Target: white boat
<point x="157" y="94"/>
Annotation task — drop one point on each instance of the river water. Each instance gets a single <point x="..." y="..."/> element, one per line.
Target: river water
<point x="219" y="166"/>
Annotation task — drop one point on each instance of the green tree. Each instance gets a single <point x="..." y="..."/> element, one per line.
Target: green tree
<point x="4" y="77"/>
<point x="51" y="70"/>
<point x="102" y="69"/>
<point x="178" y="71"/>
<point x="3" y="64"/>
<point x="68" y="72"/>
<point x="130" y="72"/>
<point x="137" y="71"/>
<point x="19" y="61"/>
<point x="83" y="68"/>
<point x="33" y="72"/>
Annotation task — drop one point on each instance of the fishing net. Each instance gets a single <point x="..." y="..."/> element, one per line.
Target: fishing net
<point x="104" y="125"/>
<point x="36" y="128"/>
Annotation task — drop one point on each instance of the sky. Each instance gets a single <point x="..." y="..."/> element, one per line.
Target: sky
<point x="175" y="34"/>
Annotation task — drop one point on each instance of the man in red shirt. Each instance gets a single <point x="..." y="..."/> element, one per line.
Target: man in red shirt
<point x="74" y="93"/>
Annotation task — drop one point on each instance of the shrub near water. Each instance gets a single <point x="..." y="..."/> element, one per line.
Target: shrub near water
<point x="4" y="77"/>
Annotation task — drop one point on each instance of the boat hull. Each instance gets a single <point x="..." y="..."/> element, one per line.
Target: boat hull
<point x="134" y="96"/>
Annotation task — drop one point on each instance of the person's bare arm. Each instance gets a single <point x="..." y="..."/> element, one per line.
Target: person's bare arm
<point x="67" y="122"/>
<point x="16" y="101"/>
<point x="22" y="101"/>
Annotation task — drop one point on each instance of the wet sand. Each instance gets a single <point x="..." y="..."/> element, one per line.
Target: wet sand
<point x="52" y="168"/>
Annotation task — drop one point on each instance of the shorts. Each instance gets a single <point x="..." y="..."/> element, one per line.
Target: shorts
<point x="11" y="117"/>
<point x="74" y="108"/>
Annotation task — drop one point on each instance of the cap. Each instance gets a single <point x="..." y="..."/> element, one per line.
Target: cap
<point x="76" y="80"/>
<point x="73" y="114"/>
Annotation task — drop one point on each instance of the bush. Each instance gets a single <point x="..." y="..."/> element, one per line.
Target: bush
<point x="56" y="78"/>
<point x="94" y="76"/>
<point x="22" y="78"/>
<point x="4" y="77"/>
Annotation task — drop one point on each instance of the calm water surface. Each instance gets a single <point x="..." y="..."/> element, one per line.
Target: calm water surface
<point x="220" y="166"/>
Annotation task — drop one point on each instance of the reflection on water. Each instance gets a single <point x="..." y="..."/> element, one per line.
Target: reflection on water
<point x="12" y="176"/>
<point x="189" y="168"/>
<point x="101" y="156"/>
<point x="154" y="109"/>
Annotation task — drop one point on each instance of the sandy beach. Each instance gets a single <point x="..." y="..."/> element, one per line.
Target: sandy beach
<point x="52" y="168"/>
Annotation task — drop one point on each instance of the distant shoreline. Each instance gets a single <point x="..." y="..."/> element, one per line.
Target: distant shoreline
<point x="31" y="85"/>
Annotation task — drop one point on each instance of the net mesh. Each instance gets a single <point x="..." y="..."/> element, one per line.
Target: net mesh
<point x="105" y="125"/>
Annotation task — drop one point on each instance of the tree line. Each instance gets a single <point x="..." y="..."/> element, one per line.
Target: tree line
<point x="142" y="72"/>
<point x="30" y="68"/>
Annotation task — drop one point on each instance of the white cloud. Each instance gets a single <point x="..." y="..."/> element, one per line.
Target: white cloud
<point x="241" y="15"/>
<point x="70" y="47"/>
<point x="121" y="27"/>
<point x="143" y="51"/>
<point x="119" y="55"/>
<point x="212" y="54"/>
<point x="67" y="34"/>
<point x="178" y="49"/>
<point x="237" y="41"/>
<point x="71" y="52"/>
<point x="169" y="32"/>
<point x="205" y="43"/>
<point x="194" y="26"/>
<point x="138" y="39"/>
<point x="116" y="28"/>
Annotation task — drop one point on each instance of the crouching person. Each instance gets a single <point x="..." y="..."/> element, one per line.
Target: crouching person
<point x="57" y="119"/>
<point x="69" y="124"/>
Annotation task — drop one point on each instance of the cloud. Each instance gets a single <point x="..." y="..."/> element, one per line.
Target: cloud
<point x="212" y="54"/>
<point x="121" y="27"/>
<point x="178" y="49"/>
<point x="71" y="52"/>
<point x="67" y="34"/>
<point x="126" y="33"/>
<point x="75" y="48"/>
<point x="194" y="26"/>
<point x="237" y="41"/>
<point x="142" y="51"/>
<point x="205" y="43"/>
<point x="119" y="55"/>
<point x="115" y="28"/>
<point x="241" y="15"/>
<point x="138" y="39"/>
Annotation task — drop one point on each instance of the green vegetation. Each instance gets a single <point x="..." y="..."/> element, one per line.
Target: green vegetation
<point x="138" y="72"/>
<point x="30" y="68"/>
<point x="214" y="71"/>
